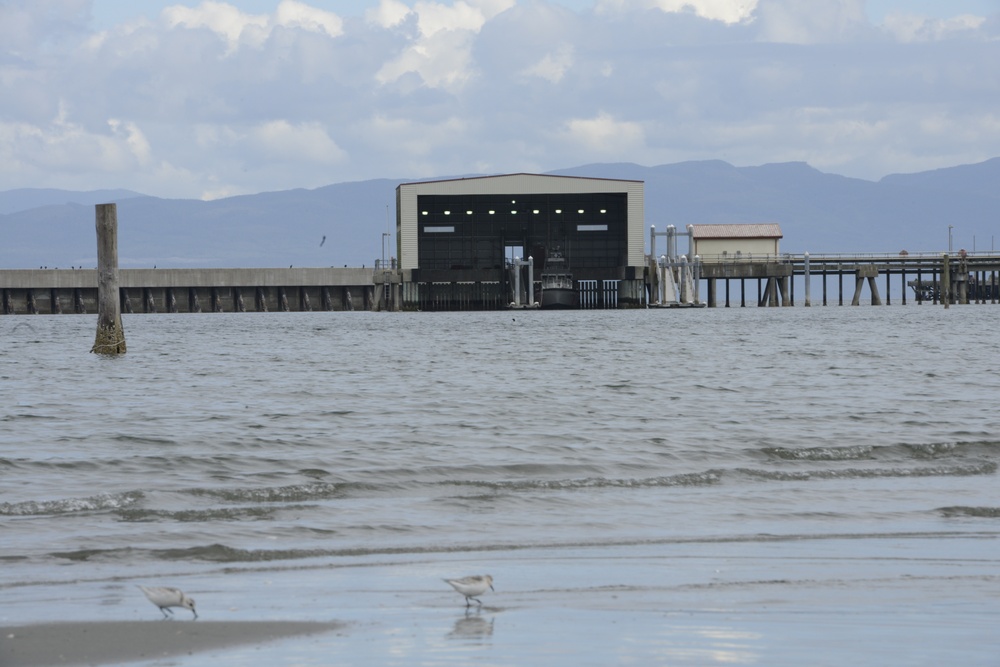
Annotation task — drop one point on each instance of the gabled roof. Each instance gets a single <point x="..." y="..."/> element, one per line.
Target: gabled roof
<point x="765" y="230"/>
<point x="521" y="173"/>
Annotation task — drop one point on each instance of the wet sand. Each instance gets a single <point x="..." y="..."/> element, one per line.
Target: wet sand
<point x="98" y="643"/>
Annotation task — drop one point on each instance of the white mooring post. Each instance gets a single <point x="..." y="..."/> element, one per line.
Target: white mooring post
<point x="531" y="280"/>
<point x="517" y="281"/>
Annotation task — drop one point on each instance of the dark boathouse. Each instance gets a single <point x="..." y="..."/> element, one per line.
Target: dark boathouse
<point x="482" y="243"/>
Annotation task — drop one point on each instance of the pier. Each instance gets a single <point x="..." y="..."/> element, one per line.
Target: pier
<point x="959" y="278"/>
<point x="764" y="281"/>
<point x="69" y="291"/>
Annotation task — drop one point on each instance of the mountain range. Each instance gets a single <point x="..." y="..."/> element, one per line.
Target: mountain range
<point x="353" y="223"/>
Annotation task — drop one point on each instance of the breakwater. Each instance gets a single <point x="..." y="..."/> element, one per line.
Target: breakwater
<point x="67" y="291"/>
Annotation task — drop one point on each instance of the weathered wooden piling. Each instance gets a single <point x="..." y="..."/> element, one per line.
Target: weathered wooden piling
<point x="110" y="335"/>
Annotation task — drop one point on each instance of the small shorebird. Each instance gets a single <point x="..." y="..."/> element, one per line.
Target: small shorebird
<point x="472" y="587"/>
<point x="165" y="597"/>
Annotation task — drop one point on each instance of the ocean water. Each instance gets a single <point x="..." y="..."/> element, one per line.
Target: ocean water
<point x="780" y="486"/>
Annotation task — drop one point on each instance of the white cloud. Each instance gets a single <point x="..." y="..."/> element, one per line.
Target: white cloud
<point x="388" y="13"/>
<point x="814" y="22"/>
<point x="223" y="19"/>
<point x="553" y="66"/>
<point x="208" y="98"/>
<point x="434" y="17"/>
<point x="133" y="138"/>
<point x="304" y="142"/>
<point x="236" y="27"/>
<point x="604" y="136"/>
<point x="727" y="11"/>
<point x="914" y="28"/>
<point x="293" y="14"/>
<point x="442" y="53"/>
<point x="416" y="142"/>
<point x="62" y="147"/>
<point x="443" y="60"/>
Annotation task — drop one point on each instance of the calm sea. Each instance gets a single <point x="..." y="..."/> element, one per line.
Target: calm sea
<point x="739" y="486"/>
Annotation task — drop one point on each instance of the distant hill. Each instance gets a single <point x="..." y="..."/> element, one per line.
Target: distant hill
<point x="818" y="212"/>
<point x="14" y="201"/>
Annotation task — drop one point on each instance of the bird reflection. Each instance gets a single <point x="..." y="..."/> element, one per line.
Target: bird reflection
<point x="471" y="625"/>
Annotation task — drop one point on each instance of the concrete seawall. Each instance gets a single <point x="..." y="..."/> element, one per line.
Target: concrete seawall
<point x="58" y="291"/>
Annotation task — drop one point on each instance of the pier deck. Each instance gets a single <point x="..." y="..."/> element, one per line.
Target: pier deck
<point x="922" y="277"/>
<point x="58" y="291"/>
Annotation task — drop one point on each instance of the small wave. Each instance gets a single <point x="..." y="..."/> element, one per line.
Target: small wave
<point x="982" y="468"/>
<point x="851" y="453"/>
<point x="690" y="479"/>
<point x="223" y="554"/>
<point x="922" y="451"/>
<point x="977" y="512"/>
<point x="280" y="494"/>
<point x="135" y="514"/>
<point x="220" y="553"/>
<point x="98" y="503"/>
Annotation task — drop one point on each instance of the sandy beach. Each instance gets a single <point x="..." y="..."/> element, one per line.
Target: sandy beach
<point x="110" y="642"/>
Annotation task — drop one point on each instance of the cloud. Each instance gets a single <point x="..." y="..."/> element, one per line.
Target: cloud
<point x="441" y="55"/>
<point x="604" y="136"/>
<point x="61" y="147"/>
<point x="727" y="11"/>
<point x="294" y="14"/>
<point x="133" y="138"/>
<point x="441" y="60"/>
<point x="223" y="19"/>
<point x="206" y="98"/>
<point x="815" y="22"/>
<point x="237" y="28"/>
<point x="308" y="142"/>
<point x="913" y="28"/>
<point x="388" y="13"/>
<point x="553" y="65"/>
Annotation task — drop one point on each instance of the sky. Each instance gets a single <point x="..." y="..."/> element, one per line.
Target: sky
<point x="213" y="99"/>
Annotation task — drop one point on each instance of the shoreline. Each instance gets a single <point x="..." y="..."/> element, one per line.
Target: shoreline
<point x="100" y="642"/>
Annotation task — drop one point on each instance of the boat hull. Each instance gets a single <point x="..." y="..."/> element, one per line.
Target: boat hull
<point x="559" y="298"/>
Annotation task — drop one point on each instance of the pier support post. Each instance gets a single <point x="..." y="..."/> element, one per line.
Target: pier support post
<point x="110" y="337"/>
<point x="945" y="280"/>
<point x="871" y="273"/>
<point x="805" y="269"/>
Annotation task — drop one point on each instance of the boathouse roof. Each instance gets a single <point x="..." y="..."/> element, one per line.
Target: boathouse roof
<point x="765" y="230"/>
